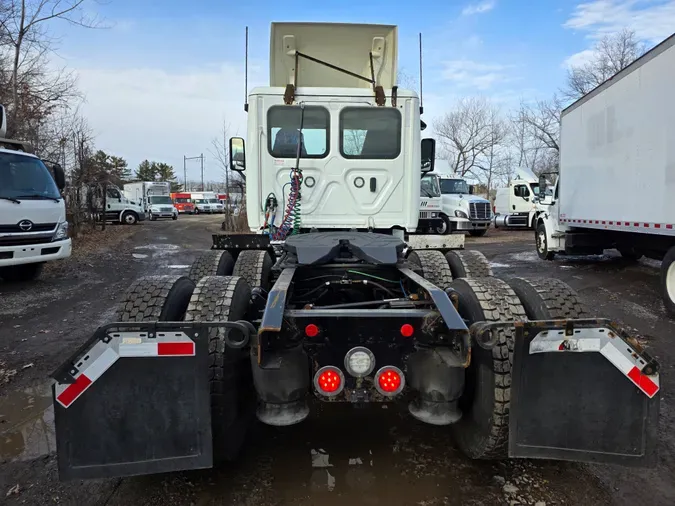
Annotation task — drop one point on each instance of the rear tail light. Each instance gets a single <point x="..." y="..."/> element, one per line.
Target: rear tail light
<point x="329" y="381"/>
<point x="359" y="362"/>
<point x="389" y="381"/>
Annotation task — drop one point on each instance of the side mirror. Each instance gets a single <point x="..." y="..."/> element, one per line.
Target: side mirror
<point x="59" y="176"/>
<point x="542" y="185"/>
<point x="3" y="122"/>
<point x="472" y="189"/>
<point x="237" y="154"/>
<point x="428" y="155"/>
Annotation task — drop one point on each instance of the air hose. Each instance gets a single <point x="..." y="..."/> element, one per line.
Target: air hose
<point x="291" y="221"/>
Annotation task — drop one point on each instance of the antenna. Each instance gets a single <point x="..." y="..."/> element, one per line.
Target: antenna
<point x="246" y="74"/>
<point x="421" y="95"/>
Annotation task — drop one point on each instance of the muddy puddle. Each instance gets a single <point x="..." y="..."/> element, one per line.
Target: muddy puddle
<point x="27" y="424"/>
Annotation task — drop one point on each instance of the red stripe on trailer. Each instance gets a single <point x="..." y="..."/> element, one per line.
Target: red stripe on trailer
<point x="74" y="390"/>
<point x="164" y="349"/>
<point x="657" y="225"/>
<point x="643" y="382"/>
<point x="669" y="226"/>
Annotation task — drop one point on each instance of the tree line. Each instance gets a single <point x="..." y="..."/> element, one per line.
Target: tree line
<point x="482" y="142"/>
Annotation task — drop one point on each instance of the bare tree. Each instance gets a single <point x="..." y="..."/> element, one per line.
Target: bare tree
<point x="34" y="89"/>
<point x="496" y="159"/>
<point x="221" y="152"/>
<point x="543" y="121"/>
<point x="467" y="133"/>
<point x="611" y="54"/>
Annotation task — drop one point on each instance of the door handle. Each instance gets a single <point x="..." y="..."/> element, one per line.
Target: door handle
<point x="514" y="207"/>
<point x="373" y="184"/>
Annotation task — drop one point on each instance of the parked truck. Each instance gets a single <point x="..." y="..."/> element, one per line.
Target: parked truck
<point x="516" y="204"/>
<point x="154" y="197"/>
<point x="339" y="302"/>
<point x="182" y="201"/>
<point x="33" y="225"/>
<point x="430" y="205"/>
<point x="617" y="179"/>
<point x="461" y="210"/>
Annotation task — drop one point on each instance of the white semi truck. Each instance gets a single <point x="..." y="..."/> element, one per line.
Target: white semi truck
<point x="154" y="197"/>
<point x="430" y="205"/>
<point x="616" y="185"/>
<point x="331" y="298"/>
<point x="517" y="204"/>
<point x="33" y="226"/>
<point x="461" y="210"/>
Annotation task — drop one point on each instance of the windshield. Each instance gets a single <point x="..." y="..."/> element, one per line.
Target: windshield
<point x="429" y="187"/>
<point x="454" y="186"/>
<point x="535" y="188"/>
<point x="181" y="200"/>
<point x="214" y="201"/>
<point x="25" y="177"/>
<point x="200" y="201"/>
<point x="161" y="200"/>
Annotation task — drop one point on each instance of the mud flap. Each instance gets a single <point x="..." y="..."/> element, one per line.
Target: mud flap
<point x="134" y="400"/>
<point x="583" y="391"/>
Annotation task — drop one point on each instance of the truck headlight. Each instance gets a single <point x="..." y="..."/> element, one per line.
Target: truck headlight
<point x="461" y="214"/>
<point x="61" y="232"/>
<point x="434" y="215"/>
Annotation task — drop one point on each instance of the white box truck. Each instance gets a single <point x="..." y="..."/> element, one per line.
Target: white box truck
<point x="616" y="187"/>
<point x="517" y="204"/>
<point x="154" y="197"/>
<point x="33" y="226"/>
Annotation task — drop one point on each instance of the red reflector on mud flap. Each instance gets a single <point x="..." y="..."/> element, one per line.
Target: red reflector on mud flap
<point x="164" y="349"/>
<point x="74" y="390"/>
<point x="643" y="382"/>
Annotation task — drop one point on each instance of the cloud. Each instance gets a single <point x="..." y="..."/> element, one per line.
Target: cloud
<point x="652" y="20"/>
<point x="471" y="74"/>
<point x="479" y="8"/>
<point x="579" y="59"/>
<point x="153" y="113"/>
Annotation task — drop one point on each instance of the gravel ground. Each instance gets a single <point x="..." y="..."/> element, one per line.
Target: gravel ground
<point x="391" y="459"/>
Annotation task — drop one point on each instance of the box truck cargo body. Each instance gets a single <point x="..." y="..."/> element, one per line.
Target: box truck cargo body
<point x="616" y="187"/>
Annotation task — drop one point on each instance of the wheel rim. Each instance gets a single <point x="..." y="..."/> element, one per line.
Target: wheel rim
<point x="129" y="218"/>
<point x="442" y="228"/>
<point x="670" y="281"/>
<point x="541" y="242"/>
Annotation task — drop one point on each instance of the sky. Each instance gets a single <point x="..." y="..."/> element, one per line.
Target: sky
<point x="162" y="77"/>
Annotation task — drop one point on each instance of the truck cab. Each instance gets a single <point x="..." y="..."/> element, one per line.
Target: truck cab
<point x="430" y="205"/>
<point x="183" y="202"/>
<point x="516" y="205"/>
<point x="463" y="211"/>
<point x="33" y="225"/>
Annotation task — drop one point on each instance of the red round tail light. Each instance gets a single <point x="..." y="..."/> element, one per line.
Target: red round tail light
<point x="407" y="330"/>
<point x="389" y="381"/>
<point x="329" y="381"/>
<point x="311" y="330"/>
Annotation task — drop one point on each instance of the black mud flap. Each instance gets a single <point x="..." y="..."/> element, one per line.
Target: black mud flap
<point x="134" y="400"/>
<point x="583" y="391"/>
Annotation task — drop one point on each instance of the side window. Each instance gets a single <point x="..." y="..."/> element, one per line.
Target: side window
<point x="521" y="191"/>
<point x="370" y="133"/>
<point x="113" y="194"/>
<point x="283" y="131"/>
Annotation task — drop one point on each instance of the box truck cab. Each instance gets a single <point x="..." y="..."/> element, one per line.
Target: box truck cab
<point x="154" y="197"/>
<point x="183" y="202"/>
<point x="461" y="210"/>
<point x="207" y="202"/>
<point x="33" y="226"/>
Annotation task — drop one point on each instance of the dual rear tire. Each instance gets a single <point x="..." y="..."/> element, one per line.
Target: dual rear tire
<point x="213" y="298"/>
<point x="483" y="431"/>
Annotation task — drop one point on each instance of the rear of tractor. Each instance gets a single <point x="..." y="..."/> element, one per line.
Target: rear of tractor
<point x="515" y="368"/>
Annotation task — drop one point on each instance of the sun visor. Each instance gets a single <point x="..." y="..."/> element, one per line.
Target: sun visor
<point x="347" y="46"/>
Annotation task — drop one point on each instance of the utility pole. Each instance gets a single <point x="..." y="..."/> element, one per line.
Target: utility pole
<point x="202" y="159"/>
<point x="184" y="173"/>
<point x="185" y="159"/>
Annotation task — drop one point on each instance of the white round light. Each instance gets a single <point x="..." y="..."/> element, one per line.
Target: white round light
<point x="359" y="362"/>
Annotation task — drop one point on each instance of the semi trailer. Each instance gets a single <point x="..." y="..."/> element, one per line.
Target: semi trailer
<point x="332" y="297"/>
<point x="617" y="171"/>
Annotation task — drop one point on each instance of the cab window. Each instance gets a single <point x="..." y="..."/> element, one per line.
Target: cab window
<point x="283" y="131"/>
<point x="521" y="190"/>
<point x="370" y="133"/>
